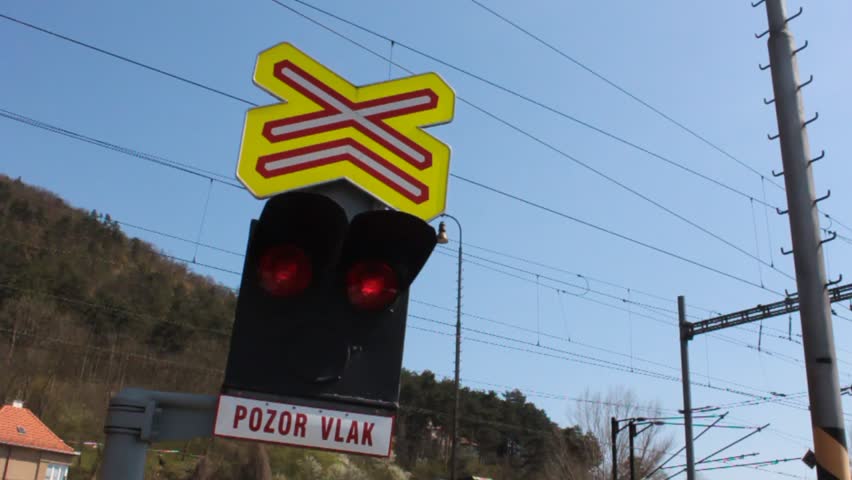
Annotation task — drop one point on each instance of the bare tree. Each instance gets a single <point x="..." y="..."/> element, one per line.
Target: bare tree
<point x="593" y="414"/>
<point x="573" y="455"/>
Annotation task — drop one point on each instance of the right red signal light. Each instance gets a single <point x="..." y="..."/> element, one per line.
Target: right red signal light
<point x="371" y="285"/>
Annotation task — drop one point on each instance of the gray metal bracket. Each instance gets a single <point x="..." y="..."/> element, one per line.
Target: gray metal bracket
<point x="137" y="417"/>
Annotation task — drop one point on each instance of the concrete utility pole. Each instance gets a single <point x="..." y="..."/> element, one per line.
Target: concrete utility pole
<point x="817" y="332"/>
<point x="687" y="394"/>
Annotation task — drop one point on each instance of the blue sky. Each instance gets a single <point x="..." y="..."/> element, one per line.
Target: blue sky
<point x="695" y="61"/>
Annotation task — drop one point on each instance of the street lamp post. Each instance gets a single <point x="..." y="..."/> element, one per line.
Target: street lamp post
<point x="444" y="239"/>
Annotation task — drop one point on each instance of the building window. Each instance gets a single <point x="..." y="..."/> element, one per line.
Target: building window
<point x="56" y="472"/>
<point x="21" y="430"/>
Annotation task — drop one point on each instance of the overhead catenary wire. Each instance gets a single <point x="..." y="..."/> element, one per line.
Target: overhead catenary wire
<point x="681" y="449"/>
<point x="234" y="97"/>
<point x="614" y="233"/>
<point x="155" y="159"/>
<point x="389" y="59"/>
<point x="478" y="259"/>
<point x="541" y="350"/>
<point x="505" y="89"/>
<point x="219" y="371"/>
<point x="670" y="322"/>
<point x="582" y="276"/>
<point x="519" y="130"/>
<point x="548" y="351"/>
<point x="509" y="91"/>
<point x="538" y="332"/>
<point x="433" y="331"/>
<point x="750" y="464"/>
<point x="133" y="354"/>
<point x="149" y="357"/>
<point x="616" y="86"/>
<point x="129" y="60"/>
<point x="515" y="93"/>
<point x="236" y="273"/>
<point x="197" y="172"/>
<point x="637" y="99"/>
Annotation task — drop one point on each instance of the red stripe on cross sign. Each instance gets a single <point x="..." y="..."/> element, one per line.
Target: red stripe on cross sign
<point x="339" y="112"/>
<point x="344" y="149"/>
<point x="302" y="426"/>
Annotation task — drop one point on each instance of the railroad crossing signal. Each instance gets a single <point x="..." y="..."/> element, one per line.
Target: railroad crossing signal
<point x="328" y="129"/>
<point x="320" y="324"/>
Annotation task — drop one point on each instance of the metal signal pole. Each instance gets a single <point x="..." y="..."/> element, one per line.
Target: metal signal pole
<point x="613" y="425"/>
<point x="817" y="334"/>
<point x="687" y="394"/>
<point x="631" y="430"/>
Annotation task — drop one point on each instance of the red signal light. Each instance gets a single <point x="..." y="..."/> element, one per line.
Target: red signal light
<point x="371" y="285"/>
<point x="285" y="270"/>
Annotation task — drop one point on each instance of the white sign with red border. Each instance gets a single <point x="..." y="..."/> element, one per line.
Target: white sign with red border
<point x="302" y="426"/>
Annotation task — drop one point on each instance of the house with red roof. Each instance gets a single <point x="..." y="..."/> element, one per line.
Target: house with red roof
<point x="29" y="450"/>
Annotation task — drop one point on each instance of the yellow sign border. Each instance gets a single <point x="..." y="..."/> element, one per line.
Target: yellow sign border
<point x="256" y="142"/>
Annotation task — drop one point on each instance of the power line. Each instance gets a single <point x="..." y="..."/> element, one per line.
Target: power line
<point x="608" y="305"/>
<point x="92" y="304"/>
<point x="89" y="304"/>
<point x="572" y="356"/>
<point x="234" y="97"/>
<point x="578" y="275"/>
<point x="608" y="231"/>
<point x="486" y="112"/>
<point x="218" y="178"/>
<point x="193" y="262"/>
<point x="82" y="303"/>
<point x="219" y="371"/>
<point x="161" y="161"/>
<point x="236" y="273"/>
<point x="570" y="157"/>
<point x="642" y="102"/>
<point x="380" y="56"/>
<point x="391" y="62"/>
<point x="533" y="392"/>
<point x="155" y="320"/>
<point x="751" y="464"/>
<point x="224" y="333"/>
<point x="588" y="360"/>
<point x="585" y="289"/>
<point x="183" y="365"/>
<point x="619" y="88"/>
<point x="129" y="60"/>
<point x="514" y="93"/>
<point x="142" y="356"/>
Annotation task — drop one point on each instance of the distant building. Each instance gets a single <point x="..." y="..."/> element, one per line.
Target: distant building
<point x="29" y="450"/>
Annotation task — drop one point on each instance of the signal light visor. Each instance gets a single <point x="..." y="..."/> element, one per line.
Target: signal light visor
<point x="371" y="285"/>
<point x="285" y="270"/>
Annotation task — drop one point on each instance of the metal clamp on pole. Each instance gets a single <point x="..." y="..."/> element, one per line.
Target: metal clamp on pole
<point x="137" y="417"/>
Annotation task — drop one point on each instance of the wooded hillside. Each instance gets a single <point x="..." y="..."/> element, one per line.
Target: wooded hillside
<point x="86" y="310"/>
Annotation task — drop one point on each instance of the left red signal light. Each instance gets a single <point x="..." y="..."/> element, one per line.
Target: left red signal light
<point x="371" y="285"/>
<point x="284" y="270"/>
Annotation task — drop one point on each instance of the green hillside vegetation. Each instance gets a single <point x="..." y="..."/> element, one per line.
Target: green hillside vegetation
<point x="86" y="310"/>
